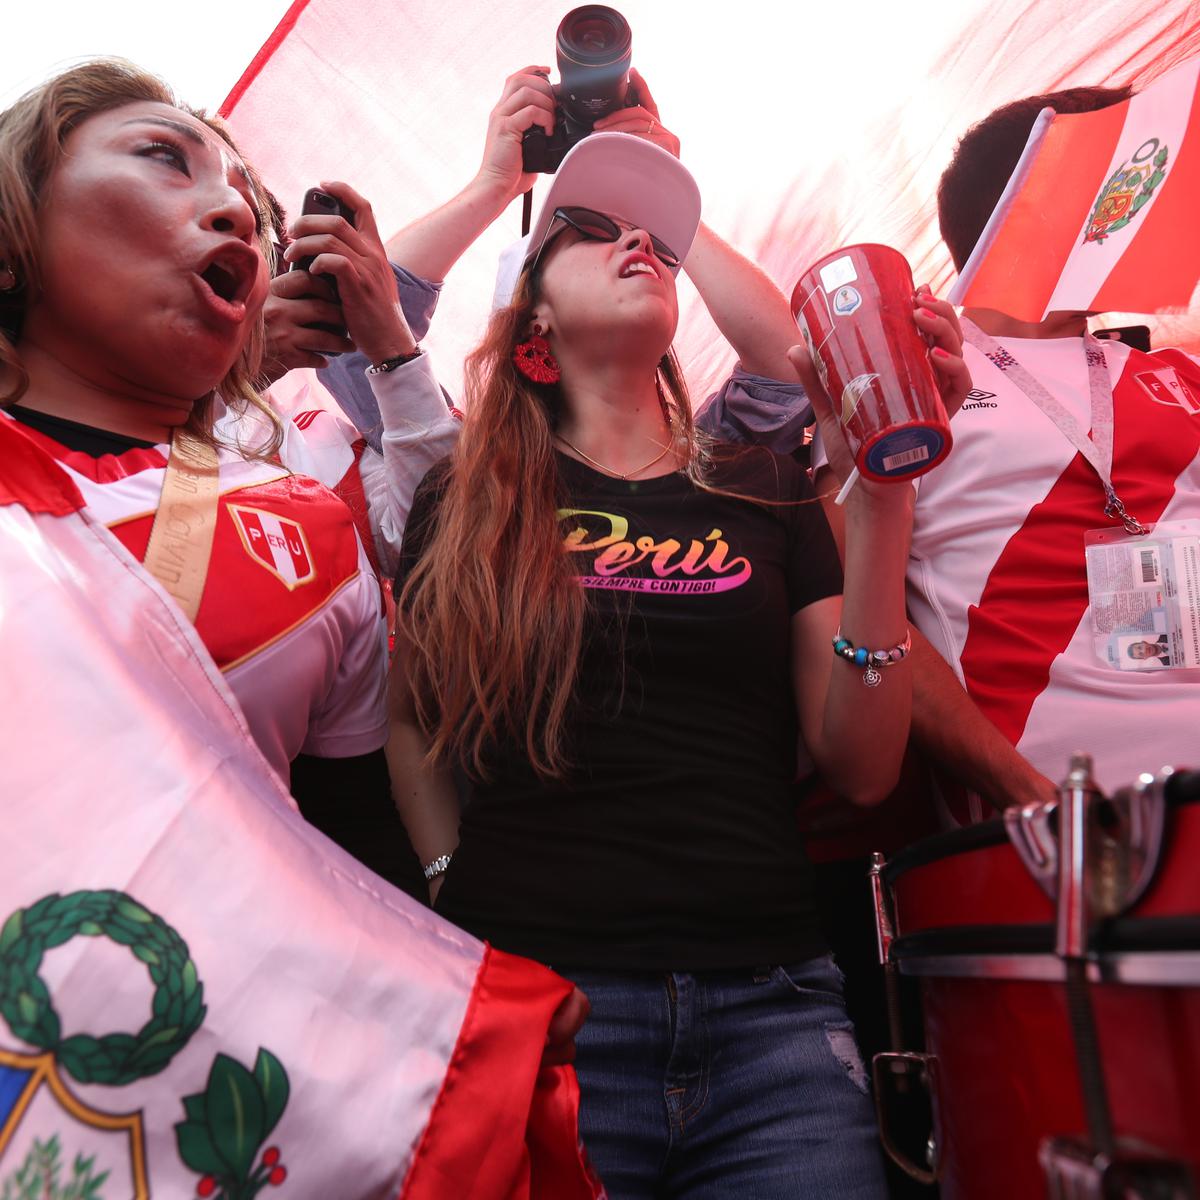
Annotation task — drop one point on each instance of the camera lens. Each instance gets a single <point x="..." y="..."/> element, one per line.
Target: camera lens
<point x="595" y="46"/>
<point x="594" y="35"/>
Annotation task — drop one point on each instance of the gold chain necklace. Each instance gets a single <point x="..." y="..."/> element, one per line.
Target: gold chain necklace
<point x="609" y="470"/>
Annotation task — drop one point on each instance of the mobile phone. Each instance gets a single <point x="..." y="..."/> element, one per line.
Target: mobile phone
<point x="1137" y="336"/>
<point x="322" y="204"/>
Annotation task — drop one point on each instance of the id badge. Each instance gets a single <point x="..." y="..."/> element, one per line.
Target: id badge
<point x="1145" y="596"/>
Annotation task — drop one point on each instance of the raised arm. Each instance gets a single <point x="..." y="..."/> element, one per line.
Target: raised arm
<point x="946" y="723"/>
<point x="857" y="734"/>
<point x="750" y="311"/>
<point x="432" y="244"/>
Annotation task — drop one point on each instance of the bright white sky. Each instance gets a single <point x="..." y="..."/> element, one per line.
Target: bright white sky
<point x="200" y="49"/>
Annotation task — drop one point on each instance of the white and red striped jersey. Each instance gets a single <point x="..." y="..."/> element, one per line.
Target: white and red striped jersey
<point x="291" y="610"/>
<point x="997" y="579"/>
<point x="418" y="430"/>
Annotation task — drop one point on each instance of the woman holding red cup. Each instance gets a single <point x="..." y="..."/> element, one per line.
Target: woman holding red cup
<point x="621" y="629"/>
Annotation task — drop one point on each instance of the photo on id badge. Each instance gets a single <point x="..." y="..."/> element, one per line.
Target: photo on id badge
<point x="1145" y="597"/>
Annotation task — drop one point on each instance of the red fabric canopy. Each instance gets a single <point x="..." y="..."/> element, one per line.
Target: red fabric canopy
<point x="806" y="129"/>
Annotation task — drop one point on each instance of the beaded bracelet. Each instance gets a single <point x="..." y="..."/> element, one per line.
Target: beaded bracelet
<point x="873" y="660"/>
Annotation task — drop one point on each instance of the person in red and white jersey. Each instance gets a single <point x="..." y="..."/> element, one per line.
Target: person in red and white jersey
<point x="997" y="580"/>
<point x="133" y="281"/>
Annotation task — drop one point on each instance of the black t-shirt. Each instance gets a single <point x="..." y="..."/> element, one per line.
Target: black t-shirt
<point x="673" y="843"/>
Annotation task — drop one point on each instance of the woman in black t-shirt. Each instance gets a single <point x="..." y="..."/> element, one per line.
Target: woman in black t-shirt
<point x="619" y="630"/>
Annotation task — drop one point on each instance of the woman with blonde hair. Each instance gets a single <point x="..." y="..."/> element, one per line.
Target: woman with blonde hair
<point x="619" y="629"/>
<point x="133" y="270"/>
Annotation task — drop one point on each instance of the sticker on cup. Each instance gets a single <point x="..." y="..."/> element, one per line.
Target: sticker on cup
<point x="904" y="452"/>
<point x="853" y="393"/>
<point x="847" y="300"/>
<point x="835" y="274"/>
<point x="817" y="362"/>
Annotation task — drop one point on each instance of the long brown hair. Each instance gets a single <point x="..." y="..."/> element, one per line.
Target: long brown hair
<point x="494" y="611"/>
<point x="32" y="135"/>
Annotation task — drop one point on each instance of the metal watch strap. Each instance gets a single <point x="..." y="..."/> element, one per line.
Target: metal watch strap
<point x="437" y="867"/>
<point x="390" y="364"/>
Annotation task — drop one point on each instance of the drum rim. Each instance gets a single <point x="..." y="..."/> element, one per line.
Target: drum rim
<point x="1125" y="935"/>
<point x="984" y="836"/>
<point x="991" y="833"/>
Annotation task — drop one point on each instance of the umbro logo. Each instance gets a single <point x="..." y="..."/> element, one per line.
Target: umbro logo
<point x="977" y="398"/>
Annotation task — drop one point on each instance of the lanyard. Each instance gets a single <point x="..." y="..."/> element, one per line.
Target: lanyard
<point x="1097" y="449"/>
<point x="181" y="537"/>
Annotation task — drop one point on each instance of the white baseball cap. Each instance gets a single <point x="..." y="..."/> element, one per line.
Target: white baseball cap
<point x="619" y="174"/>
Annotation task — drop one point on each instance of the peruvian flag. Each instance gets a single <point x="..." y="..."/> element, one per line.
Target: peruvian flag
<point x="199" y="994"/>
<point x="1100" y="214"/>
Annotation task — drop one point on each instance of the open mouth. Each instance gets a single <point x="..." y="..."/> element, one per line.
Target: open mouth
<point x="231" y="272"/>
<point x="222" y="281"/>
<point x="637" y="264"/>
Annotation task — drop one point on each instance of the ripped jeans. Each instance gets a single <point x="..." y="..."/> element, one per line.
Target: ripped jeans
<point x="744" y="1084"/>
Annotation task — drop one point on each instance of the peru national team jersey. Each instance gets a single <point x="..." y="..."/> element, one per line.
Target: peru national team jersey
<point x="997" y="579"/>
<point x="291" y="610"/>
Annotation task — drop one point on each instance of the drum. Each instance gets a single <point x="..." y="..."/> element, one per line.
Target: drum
<point x="973" y="923"/>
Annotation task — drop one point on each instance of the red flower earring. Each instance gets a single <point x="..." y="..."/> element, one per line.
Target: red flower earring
<point x="534" y="360"/>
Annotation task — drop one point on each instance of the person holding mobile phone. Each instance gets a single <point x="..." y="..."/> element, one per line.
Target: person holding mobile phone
<point x="223" y="609"/>
<point x="394" y="420"/>
<point x="134" y="272"/>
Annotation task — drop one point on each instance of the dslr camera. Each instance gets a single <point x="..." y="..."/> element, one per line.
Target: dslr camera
<point x="594" y="45"/>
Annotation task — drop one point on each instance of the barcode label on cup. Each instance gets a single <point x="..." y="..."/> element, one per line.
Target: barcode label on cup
<point x="892" y="462"/>
<point x="1149" y="566"/>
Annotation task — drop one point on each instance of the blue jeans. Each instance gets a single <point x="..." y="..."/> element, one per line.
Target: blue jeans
<point x="738" y="1083"/>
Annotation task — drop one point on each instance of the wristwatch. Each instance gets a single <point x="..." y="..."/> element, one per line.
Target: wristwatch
<point x="390" y="364"/>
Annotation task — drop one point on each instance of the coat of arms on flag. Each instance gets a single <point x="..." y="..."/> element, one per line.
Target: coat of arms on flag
<point x="165" y="910"/>
<point x="1128" y="190"/>
<point x="1098" y="214"/>
<point x="277" y="543"/>
<point x="225" y="1124"/>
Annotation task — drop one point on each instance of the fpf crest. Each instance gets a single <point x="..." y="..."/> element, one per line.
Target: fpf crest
<point x="275" y="542"/>
<point x="1128" y="190"/>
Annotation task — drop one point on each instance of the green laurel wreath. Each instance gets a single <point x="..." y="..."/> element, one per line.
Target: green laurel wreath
<point x="116" y="1058"/>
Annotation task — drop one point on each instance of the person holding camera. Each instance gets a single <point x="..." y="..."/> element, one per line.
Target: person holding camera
<point x="621" y="628"/>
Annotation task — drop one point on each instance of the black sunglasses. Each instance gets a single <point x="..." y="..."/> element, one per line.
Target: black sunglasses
<point x="598" y="227"/>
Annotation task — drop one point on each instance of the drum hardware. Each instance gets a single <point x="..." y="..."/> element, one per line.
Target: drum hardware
<point x="904" y="1074"/>
<point x="1078" y="797"/>
<point x="973" y="915"/>
<point x="1073" y="1173"/>
<point x="1125" y="842"/>
<point x="1106" y="856"/>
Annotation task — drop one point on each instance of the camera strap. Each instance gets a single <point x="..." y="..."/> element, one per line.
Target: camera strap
<point x="181" y="538"/>
<point x="526" y="211"/>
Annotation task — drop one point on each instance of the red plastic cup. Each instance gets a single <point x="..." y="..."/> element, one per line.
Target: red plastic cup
<point x="855" y="310"/>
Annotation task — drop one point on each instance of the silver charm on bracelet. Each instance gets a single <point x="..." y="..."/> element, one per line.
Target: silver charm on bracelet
<point x="872" y="660"/>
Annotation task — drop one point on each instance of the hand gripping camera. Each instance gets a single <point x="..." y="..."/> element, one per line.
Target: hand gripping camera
<point x="594" y="46"/>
